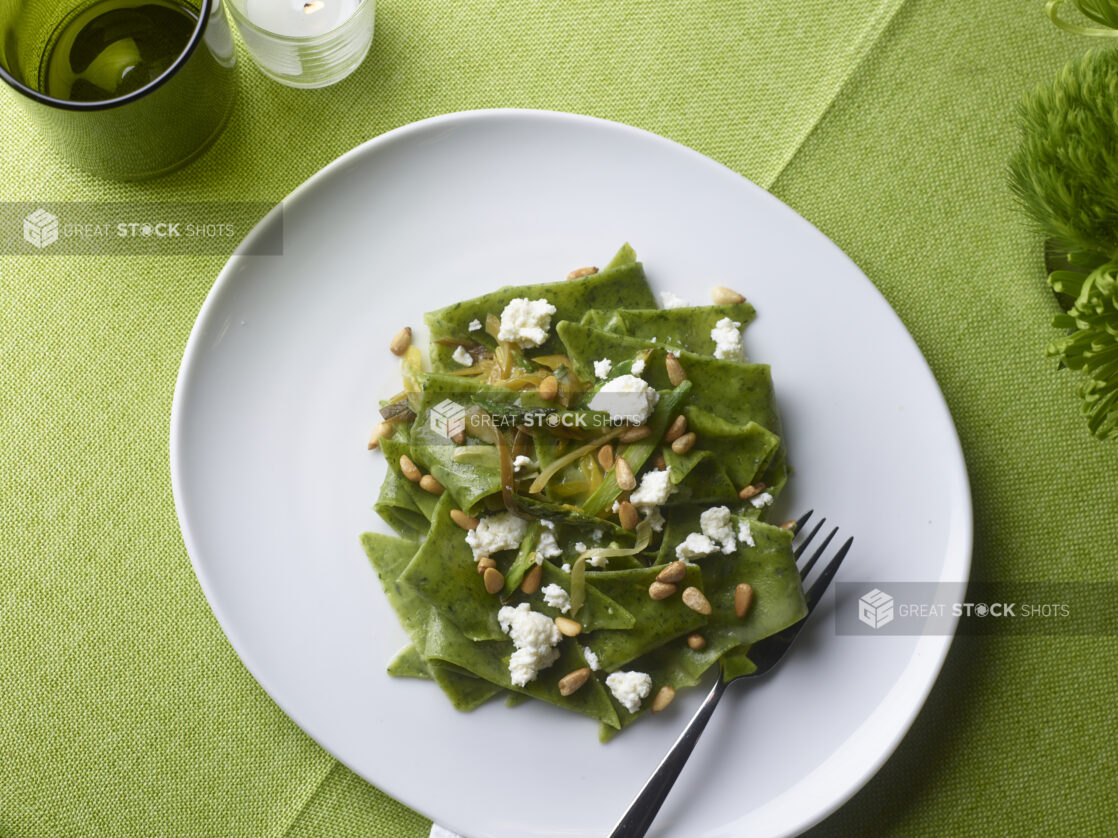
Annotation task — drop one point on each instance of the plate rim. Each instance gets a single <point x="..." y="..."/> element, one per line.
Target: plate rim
<point x="931" y="665"/>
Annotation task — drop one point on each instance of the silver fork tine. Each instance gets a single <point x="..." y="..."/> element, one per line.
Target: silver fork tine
<point x="806" y="569"/>
<point x="800" y="550"/>
<point x="819" y="587"/>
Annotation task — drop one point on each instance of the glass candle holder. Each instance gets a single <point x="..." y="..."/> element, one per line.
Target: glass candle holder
<point x="306" y="43"/>
<point x="124" y="89"/>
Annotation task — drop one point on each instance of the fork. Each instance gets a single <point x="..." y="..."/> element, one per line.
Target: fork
<point x="764" y="654"/>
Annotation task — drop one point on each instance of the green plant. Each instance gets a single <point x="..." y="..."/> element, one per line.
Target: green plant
<point x="1103" y="12"/>
<point x="1065" y="176"/>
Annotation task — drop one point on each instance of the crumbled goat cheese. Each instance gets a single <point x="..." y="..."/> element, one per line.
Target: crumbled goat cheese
<point x="695" y="546"/>
<point x="475" y="325"/>
<point x="463" y="357"/>
<point x="763" y="499"/>
<point x="630" y="688"/>
<point x="556" y="597"/>
<point x="503" y="531"/>
<point x="626" y="398"/>
<point x="520" y="462"/>
<point x="548" y="547"/>
<point x="597" y="561"/>
<point x="526" y="322"/>
<point x="745" y="534"/>
<point x="591" y="659"/>
<point x="670" y="300"/>
<point x="566" y="567"/>
<point x="726" y="335"/>
<point x="652" y="513"/>
<point x="638" y="366"/>
<point x="715" y="523"/>
<point x="535" y="637"/>
<point x="654" y="489"/>
<point x="602" y="368"/>
<point x="580" y="547"/>
<point x="616" y="506"/>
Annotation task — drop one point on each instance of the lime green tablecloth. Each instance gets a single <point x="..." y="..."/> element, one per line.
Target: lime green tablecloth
<point x="123" y="709"/>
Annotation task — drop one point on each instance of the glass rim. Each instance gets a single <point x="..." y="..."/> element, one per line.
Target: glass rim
<point x="206" y="8"/>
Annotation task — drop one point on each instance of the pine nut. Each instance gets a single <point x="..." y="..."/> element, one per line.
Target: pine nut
<point x="429" y="484"/>
<point x="751" y="490"/>
<point x="658" y="462"/>
<point x="624" y="474"/>
<point x="466" y="522"/>
<point x="571" y="682"/>
<point x="549" y="388"/>
<point x="743" y="598"/>
<point x="605" y="457"/>
<point x="579" y="273"/>
<point x="568" y="627"/>
<point x="459" y="438"/>
<point x="661" y="590"/>
<point x="684" y="443"/>
<point x="411" y="470"/>
<point x="696" y="641"/>
<point x="676" y="429"/>
<point x="484" y="563"/>
<point x="662" y="699"/>
<point x="723" y="296"/>
<point x="636" y="433"/>
<point x="531" y="582"/>
<point x="494" y="580"/>
<point x="788" y="525"/>
<point x="673" y="572"/>
<point x="627" y="513"/>
<point x="383" y="430"/>
<point x="676" y="374"/>
<point x="399" y="344"/>
<point x="693" y="598"/>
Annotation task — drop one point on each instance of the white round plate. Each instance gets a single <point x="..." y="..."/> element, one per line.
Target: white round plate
<point x="278" y="393"/>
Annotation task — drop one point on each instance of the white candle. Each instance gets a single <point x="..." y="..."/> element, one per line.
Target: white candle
<point x="299" y="18"/>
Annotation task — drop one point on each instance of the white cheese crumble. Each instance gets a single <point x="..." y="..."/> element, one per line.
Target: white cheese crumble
<point x="535" y="637"/>
<point x="597" y="561"/>
<point x="654" y="489"/>
<point x="548" y="547"/>
<point x="526" y="322"/>
<point x="580" y="547"/>
<point x="695" y="546"/>
<point x="566" y="567"/>
<point x="726" y="335"/>
<point x="602" y="368"/>
<point x="463" y="357"/>
<point x="626" y="398"/>
<point x="520" y="462"/>
<point x="503" y="531"/>
<point x="556" y="597"/>
<point x="745" y="534"/>
<point x="630" y="688"/>
<point x="475" y="325"/>
<point x="638" y="366"/>
<point x="591" y="659"/>
<point x="670" y="300"/>
<point x="763" y="499"/>
<point x="652" y="513"/>
<point x="715" y="523"/>
<point x="616" y="506"/>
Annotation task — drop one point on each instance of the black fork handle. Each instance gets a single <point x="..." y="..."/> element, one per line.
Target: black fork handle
<point x="635" y="822"/>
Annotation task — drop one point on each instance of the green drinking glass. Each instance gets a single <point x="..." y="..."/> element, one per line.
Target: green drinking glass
<point x="124" y="89"/>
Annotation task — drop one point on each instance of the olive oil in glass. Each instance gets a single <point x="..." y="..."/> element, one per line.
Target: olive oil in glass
<point x="115" y="47"/>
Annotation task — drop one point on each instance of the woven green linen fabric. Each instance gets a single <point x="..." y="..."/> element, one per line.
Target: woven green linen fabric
<point x="123" y="710"/>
